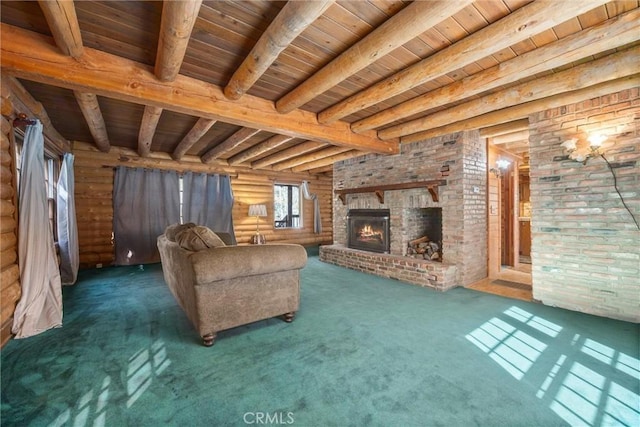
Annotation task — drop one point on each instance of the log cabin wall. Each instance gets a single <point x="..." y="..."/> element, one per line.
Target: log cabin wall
<point x="585" y="244"/>
<point x="9" y="269"/>
<point x="94" y="173"/>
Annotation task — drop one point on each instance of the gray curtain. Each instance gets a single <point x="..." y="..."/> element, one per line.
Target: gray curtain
<point x="208" y="200"/>
<point x="67" y="224"/>
<point x="145" y="202"/>
<point x="317" y="222"/>
<point x="40" y="305"/>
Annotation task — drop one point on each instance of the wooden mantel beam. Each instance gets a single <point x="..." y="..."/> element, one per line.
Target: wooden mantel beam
<point x="31" y="56"/>
<point x="178" y="19"/>
<point x="63" y="23"/>
<point x="413" y="20"/>
<point x="292" y="20"/>
<point x="88" y="103"/>
<point x="517" y="26"/>
<point x="611" y="67"/>
<point x="431" y="186"/>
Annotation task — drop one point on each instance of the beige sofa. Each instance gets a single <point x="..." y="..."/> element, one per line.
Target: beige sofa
<point x="227" y="286"/>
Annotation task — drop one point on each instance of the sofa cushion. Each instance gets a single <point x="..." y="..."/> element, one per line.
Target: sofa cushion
<point x="172" y="230"/>
<point x="242" y="261"/>
<point x="198" y="238"/>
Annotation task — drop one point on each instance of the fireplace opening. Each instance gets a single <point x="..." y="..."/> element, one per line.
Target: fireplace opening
<point x="368" y="229"/>
<point x="424" y="231"/>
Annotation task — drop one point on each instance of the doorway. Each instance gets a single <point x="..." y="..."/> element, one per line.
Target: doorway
<point x="508" y="216"/>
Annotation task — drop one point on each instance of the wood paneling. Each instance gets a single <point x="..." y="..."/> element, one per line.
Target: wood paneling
<point x="9" y="270"/>
<point x="94" y="172"/>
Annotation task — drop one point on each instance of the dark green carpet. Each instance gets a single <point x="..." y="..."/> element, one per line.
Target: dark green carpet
<point x="362" y="351"/>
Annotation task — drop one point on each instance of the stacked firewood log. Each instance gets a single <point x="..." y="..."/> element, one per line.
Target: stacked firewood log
<point x="425" y="248"/>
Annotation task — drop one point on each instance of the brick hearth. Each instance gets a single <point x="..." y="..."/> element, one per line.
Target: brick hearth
<point x="432" y="274"/>
<point x="462" y="200"/>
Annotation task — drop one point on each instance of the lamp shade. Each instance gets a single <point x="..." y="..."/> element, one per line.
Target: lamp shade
<point x="257" y="210"/>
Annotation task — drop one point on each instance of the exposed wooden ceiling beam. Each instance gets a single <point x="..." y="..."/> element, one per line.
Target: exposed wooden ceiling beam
<point x="507" y="138"/>
<point x="201" y="127"/>
<point x="523" y="110"/>
<point x="63" y="23"/>
<point x="413" y="20"/>
<point x="611" y="67"/>
<point x="31" y="56"/>
<point x="229" y="144"/>
<point x="619" y="31"/>
<point x="504" y="128"/>
<point x="310" y="157"/>
<point x="23" y="102"/>
<point x="262" y="147"/>
<point x="306" y="158"/>
<point x="294" y="151"/>
<point x="292" y="20"/>
<point x="178" y="19"/>
<point x="327" y="161"/>
<point x="519" y="25"/>
<point x="321" y="170"/>
<point x="148" y="126"/>
<point x="88" y="103"/>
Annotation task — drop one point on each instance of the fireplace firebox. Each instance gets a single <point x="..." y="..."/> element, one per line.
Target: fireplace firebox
<point x="369" y="229"/>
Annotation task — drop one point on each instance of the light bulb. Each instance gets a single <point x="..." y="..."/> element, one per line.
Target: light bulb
<point x="596" y="140"/>
<point x="503" y="164"/>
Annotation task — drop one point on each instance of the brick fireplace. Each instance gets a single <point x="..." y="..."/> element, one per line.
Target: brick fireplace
<point x="453" y="213"/>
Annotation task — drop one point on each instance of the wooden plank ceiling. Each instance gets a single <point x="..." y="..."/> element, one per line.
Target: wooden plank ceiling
<point x="297" y="85"/>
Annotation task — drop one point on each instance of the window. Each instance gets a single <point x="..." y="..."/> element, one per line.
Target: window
<point x="287" y="206"/>
<point x="51" y="172"/>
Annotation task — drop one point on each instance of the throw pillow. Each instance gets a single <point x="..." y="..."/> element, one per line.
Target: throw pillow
<point x="198" y="238"/>
<point x="171" y="231"/>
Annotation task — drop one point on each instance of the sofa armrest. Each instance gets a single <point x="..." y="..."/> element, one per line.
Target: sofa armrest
<point x="228" y="262"/>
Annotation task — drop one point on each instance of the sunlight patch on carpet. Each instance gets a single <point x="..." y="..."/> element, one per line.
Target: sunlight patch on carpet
<point x="575" y="390"/>
<point x="511" y="348"/>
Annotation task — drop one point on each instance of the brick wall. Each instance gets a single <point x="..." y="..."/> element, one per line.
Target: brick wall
<point x="464" y="230"/>
<point x="585" y="245"/>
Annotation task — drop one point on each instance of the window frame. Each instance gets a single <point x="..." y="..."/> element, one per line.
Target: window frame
<point x="52" y="165"/>
<point x="288" y="224"/>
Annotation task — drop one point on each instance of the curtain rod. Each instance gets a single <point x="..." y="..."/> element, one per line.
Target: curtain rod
<point x="170" y="170"/>
<point x="22" y="120"/>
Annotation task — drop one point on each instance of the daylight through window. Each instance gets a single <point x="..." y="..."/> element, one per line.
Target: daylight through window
<point x="287" y="206"/>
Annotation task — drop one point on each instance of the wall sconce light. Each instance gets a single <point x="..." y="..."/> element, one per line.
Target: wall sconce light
<point x="582" y="152"/>
<point x="501" y="165"/>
